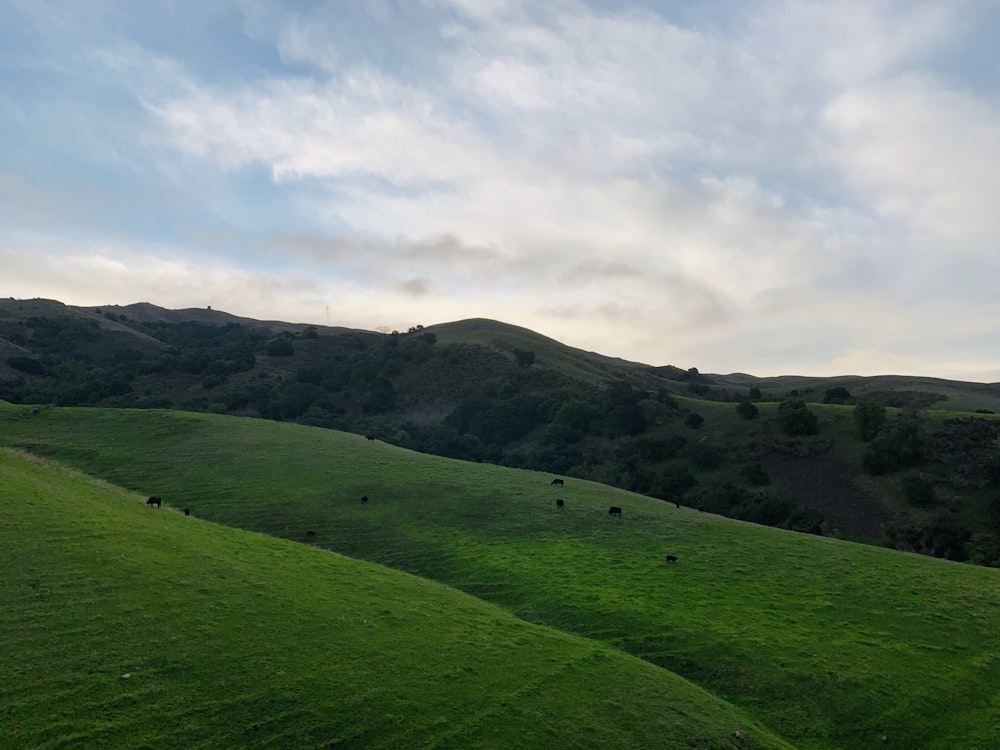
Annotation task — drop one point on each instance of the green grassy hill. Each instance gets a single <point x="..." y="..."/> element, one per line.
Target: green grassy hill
<point x="828" y="643"/>
<point x="484" y="390"/>
<point x="573" y="364"/>
<point x="125" y="627"/>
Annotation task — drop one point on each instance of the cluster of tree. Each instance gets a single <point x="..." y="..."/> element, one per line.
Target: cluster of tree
<point x="760" y="506"/>
<point x="890" y="446"/>
<point x="944" y="537"/>
<point x="796" y="420"/>
<point x="356" y="376"/>
<point x="899" y="444"/>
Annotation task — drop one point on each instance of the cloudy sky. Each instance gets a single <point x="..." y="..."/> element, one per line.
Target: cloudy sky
<point x="766" y="187"/>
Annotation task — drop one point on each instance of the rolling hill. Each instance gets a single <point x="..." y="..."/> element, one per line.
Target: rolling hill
<point x="126" y="627"/>
<point x="927" y="481"/>
<point x="827" y="643"/>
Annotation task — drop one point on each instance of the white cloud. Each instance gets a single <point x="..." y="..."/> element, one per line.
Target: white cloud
<point x="789" y="183"/>
<point x="925" y="157"/>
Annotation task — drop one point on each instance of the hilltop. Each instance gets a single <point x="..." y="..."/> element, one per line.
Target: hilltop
<point x="785" y="451"/>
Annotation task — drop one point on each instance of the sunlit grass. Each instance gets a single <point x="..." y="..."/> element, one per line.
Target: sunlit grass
<point x="829" y="643"/>
<point x="130" y="627"/>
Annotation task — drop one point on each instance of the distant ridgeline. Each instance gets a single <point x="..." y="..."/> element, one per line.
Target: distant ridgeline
<point x="911" y="463"/>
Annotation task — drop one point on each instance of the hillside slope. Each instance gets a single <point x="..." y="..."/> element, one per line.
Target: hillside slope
<point x="124" y="626"/>
<point x="483" y="390"/>
<point x="832" y="644"/>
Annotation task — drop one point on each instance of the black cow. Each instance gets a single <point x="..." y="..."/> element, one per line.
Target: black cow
<point x="671" y="558"/>
<point x="310" y="533"/>
<point x="614" y="510"/>
<point x="364" y="498"/>
<point x="557" y="483"/>
<point x="187" y="511"/>
<point x="154" y="500"/>
<point x="370" y="438"/>
<point x="560" y="504"/>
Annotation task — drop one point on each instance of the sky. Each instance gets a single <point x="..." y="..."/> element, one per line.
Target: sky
<point x="769" y="187"/>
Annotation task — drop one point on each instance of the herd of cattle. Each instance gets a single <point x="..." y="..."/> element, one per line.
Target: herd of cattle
<point x="614" y="510"/>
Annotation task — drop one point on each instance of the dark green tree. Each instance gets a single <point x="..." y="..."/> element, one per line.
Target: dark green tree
<point x="795" y="419"/>
<point x="747" y="410"/>
<point x="27" y="364"/>
<point x="626" y="419"/>
<point x="703" y="456"/>
<point x="666" y="398"/>
<point x="694" y="420"/>
<point x="919" y="492"/>
<point x="754" y="474"/>
<point x="524" y="357"/>
<point x="673" y="482"/>
<point x="576" y="414"/>
<point x="279" y="348"/>
<point x="893" y="449"/>
<point x="870" y="418"/>
<point x="836" y="395"/>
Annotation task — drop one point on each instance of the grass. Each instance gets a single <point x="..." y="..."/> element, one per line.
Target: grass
<point x="830" y="644"/>
<point x="586" y="367"/>
<point x="125" y="626"/>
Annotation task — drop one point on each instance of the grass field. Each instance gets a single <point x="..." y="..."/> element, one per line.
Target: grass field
<point x="828" y="643"/>
<point x="129" y="627"/>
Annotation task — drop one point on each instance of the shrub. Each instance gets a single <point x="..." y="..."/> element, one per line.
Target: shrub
<point x="747" y="410"/>
<point x="836" y="395"/>
<point x="694" y="420"/>
<point x="870" y="418"/>
<point x="214" y="381"/>
<point x="524" y="357"/>
<point x="666" y="398"/>
<point x="576" y="415"/>
<point x="704" y="456"/>
<point x="754" y="474"/>
<point x="28" y="365"/>
<point x="895" y="449"/>
<point x="795" y="419"/>
<point x="919" y="492"/>
<point x="673" y="482"/>
<point x="625" y="419"/>
<point x="279" y="348"/>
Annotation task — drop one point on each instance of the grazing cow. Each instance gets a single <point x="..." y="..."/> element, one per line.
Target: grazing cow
<point x="671" y="558"/>
<point x="677" y="504"/>
<point x="560" y="504"/>
<point x="557" y="483"/>
<point x="187" y="511"/>
<point x="370" y="438"/>
<point x="364" y="498"/>
<point x="310" y="533"/>
<point x="154" y="500"/>
<point x="614" y="510"/>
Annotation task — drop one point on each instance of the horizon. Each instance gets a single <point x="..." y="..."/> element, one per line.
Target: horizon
<point x="387" y="331"/>
<point x="768" y="188"/>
